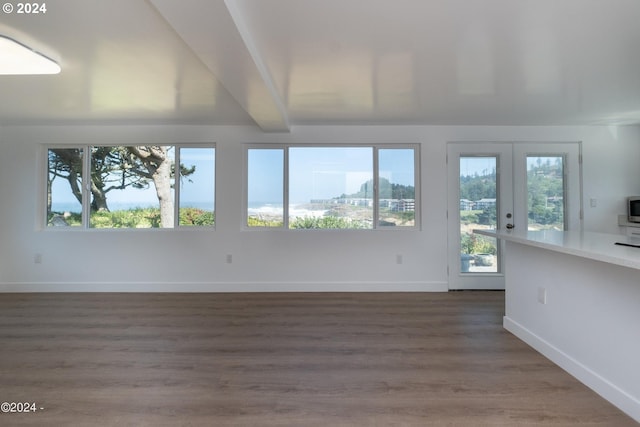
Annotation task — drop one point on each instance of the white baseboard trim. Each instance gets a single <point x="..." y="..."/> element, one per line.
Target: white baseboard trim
<point x="226" y="287"/>
<point x="605" y="388"/>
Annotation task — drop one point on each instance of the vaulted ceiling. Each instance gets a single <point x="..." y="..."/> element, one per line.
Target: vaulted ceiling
<point x="281" y="63"/>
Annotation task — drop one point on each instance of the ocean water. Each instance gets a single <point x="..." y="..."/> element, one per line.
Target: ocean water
<point x="276" y="210"/>
<point x="66" y="207"/>
<point x="254" y="209"/>
<point x="76" y="208"/>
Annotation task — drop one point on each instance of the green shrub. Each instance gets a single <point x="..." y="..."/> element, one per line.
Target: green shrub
<point x="469" y="217"/>
<point x="477" y="244"/>
<point x="131" y="218"/>
<point x="325" y="222"/>
<point x="253" y="221"/>
<point x="197" y="217"/>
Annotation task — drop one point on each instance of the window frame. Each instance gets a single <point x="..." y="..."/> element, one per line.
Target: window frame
<point x="86" y="194"/>
<point x="376" y="147"/>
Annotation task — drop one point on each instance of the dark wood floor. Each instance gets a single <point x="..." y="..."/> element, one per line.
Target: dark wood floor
<point x="280" y="359"/>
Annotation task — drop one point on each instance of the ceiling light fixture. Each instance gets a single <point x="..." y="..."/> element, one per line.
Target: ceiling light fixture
<point x="16" y="58"/>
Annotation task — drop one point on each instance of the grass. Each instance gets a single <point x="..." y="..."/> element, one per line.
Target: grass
<point x="138" y="218"/>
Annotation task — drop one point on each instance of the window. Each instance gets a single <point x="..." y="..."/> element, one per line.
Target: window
<point x="265" y="185"/>
<point x="331" y="187"/>
<point x="545" y="189"/>
<point x="64" y="186"/>
<point x="396" y="180"/>
<point x="131" y="186"/>
<point x="197" y="186"/>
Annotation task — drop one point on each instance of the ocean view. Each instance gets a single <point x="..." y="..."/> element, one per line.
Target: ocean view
<point x="275" y="210"/>
<point x="265" y="209"/>
<point x="115" y="206"/>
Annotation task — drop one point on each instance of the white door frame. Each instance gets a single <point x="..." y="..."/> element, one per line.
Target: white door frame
<point x="511" y="176"/>
<point x="503" y="152"/>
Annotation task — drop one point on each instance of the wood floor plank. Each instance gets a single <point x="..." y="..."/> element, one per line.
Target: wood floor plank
<point x="280" y="359"/>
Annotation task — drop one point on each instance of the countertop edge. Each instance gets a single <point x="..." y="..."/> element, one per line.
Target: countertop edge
<point x="585" y="244"/>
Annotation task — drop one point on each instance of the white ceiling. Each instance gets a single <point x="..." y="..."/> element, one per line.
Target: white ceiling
<point x="281" y="63"/>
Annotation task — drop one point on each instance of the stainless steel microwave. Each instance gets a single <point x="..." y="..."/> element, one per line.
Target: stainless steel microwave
<point x="633" y="209"/>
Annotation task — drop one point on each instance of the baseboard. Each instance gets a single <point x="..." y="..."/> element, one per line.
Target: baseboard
<point x="605" y="388"/>
<point x="226" y="287"/>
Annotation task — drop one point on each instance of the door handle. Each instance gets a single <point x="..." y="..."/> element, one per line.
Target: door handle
<point x="509" y="225"/>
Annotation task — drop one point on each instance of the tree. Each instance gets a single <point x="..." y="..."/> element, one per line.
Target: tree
<point x="546" y="191"/>
<point x="387" y="190"/>
<point x="488" y="216"/>
<point x="152" y="162"/>
<point x="476" y="187"/>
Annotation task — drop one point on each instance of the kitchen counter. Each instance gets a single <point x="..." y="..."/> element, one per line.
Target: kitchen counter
<point x="575" y="297"/>
<point x="585" y="244"/>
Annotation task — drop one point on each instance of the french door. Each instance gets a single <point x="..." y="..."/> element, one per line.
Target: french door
<point x="528" y="186"/>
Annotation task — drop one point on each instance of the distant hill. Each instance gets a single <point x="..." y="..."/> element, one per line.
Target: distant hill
<point x="387" y="191"/>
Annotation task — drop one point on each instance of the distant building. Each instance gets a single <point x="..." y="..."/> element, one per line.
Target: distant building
<point x="394" y="205"/>
<point x="484" y="204"/>
<point x="399" y="205"/>
<point x="406" y="205"/>
<point x="326" y="201"/>
<point x="466" y="205"/>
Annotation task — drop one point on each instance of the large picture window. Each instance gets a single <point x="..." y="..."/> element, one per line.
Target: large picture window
<point x="331" y="187"/>
<point x="148" y="186"/>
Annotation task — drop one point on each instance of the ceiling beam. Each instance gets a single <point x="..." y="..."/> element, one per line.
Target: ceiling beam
<point x="217" y="33"/>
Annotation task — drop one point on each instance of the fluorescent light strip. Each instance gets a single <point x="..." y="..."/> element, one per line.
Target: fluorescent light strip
<point x="18" y="59"/>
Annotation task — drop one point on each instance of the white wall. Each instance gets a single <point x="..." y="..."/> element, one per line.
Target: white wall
<point x="589" y="324"/>
<point x="175" y="260"/>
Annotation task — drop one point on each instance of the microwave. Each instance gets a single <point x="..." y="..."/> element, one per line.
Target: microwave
<point x="633" y="209"/>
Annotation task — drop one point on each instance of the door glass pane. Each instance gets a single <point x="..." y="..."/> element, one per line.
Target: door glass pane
<point x="545" y="189"/>
<point x="396" y="177"/>
<point x="478" y="190"/>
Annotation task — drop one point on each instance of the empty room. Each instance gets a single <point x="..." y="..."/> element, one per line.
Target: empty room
<point x="312" y="213"/>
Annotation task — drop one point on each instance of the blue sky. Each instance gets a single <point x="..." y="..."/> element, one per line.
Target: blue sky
<point x="322" y="172"/>
<point x="199" y="186"/>
<point x="470" y="166"/>
<point x="266" y="181"/>
<point x="314" y="173"/>
<point x="327" y="172"/>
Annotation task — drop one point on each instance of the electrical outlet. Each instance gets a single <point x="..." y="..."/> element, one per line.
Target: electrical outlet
<point x="37" y="258"/>
<point x="399" y="259"/>
<point x="229" y="258"/>
<point x="593" y="202"/>
<point x="542" y="295"/>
